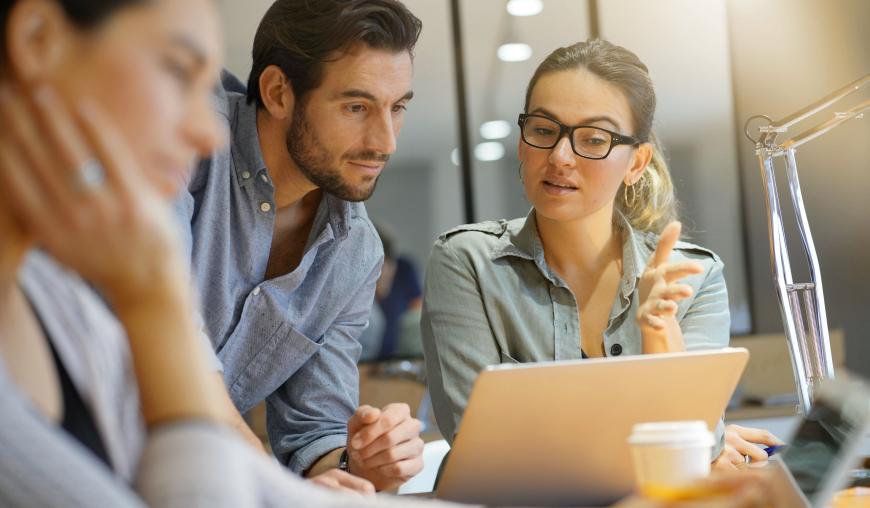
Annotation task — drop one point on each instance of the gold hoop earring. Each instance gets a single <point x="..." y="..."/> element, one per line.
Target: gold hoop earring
<point x="629" y="202"/>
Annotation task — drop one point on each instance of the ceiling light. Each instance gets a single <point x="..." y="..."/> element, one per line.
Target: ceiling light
<point x="489" y="151"/>
<point x="514" y="52"/>
<point x="454" y="157"/>
<point x="495" y="129"/>
<point x="525" y="7"/>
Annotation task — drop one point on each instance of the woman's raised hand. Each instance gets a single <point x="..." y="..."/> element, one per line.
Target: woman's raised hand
<point x="659" y="291"/>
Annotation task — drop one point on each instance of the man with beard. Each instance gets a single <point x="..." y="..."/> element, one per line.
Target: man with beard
<point x="283" y="252"/>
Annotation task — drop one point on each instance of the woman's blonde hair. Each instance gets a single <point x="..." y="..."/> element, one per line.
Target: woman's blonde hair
<point x="650" y="203"/>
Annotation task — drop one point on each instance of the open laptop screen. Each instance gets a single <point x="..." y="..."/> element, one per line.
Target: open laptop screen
<point x="816" y="446"/>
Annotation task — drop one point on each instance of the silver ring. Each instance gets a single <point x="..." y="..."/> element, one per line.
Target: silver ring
<point x="90" y="176"/>
<point x="660" y="305"/>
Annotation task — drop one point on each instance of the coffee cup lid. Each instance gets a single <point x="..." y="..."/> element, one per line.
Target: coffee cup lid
<point x="680" y="433"/>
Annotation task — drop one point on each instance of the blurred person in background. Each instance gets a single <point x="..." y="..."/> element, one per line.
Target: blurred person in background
<point x="394" y="330"/>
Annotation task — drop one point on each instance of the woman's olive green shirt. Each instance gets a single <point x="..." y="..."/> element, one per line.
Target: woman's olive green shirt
<point x="491" y="298"/>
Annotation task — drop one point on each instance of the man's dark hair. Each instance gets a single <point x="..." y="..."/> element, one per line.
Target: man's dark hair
<point x="299" y="36"/>
<point x="83" y="13"/>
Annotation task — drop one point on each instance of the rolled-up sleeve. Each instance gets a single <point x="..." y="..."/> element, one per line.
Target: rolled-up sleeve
<point x="307" y="416"/>
<point x="457" y="340"/>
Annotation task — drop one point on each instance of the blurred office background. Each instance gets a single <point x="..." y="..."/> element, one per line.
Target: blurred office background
<point x="714" y="63"/>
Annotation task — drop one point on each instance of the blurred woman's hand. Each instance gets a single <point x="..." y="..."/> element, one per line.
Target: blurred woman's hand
<point x="720" y="490"/>
<point x="659" y="291"/>
<point x="75" y="190"/>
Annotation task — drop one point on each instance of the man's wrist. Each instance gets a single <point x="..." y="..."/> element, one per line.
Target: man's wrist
<point x="326" y="462"/>
<point x="344" y="461"/>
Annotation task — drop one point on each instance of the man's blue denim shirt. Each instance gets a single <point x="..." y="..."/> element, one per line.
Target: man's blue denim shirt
<point x="291" y="340"/>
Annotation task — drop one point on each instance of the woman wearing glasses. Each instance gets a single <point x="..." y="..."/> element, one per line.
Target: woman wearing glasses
<point x="596" y="268"/>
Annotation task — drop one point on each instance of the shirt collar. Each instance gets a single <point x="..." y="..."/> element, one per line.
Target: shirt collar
<point x="526" y="244"/>
<point x="340" y="212"/>
<point x="246" y="141"/>
<point x="248" y="158"/>
<point x="635" y="252"/>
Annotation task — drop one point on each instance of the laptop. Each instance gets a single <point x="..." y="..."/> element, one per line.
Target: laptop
<point x="555" y="433"/>
<point x="826" y="445"/>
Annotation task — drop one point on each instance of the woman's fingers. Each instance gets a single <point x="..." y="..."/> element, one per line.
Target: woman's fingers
<point x="650" y="320"/>
<point x="672" y="292"/>
<point x="747" y="449"/>
<point x="110" y="149"/>
<point x="19" y="185"/>
<point x="756" y="435"/>
<point x="662" y="302"/>
<point x="34" y="152"/>
<point x="729" y="456"/>
<point x="673" y="272"/>
<point x="58" y="135"/>
<point x="667" y="240"/>
<point x="48" y="153"/>
<point x="20" y="192"/>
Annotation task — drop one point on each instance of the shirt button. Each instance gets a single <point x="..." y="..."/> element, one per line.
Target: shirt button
<point x="265" y="207"/>
<point x="615" y="350"/>
<point x="246" y="174"/>
<point x="256" y="291"/>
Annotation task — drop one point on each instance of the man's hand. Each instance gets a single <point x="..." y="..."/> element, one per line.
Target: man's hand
<point x="384" y="445"/>
<point x="336" y="479"/>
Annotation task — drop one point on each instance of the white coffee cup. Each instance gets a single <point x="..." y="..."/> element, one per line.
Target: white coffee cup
<point x="670" y="456"/>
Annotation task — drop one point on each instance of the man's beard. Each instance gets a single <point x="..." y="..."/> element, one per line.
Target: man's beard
<point x="315" y="161"/>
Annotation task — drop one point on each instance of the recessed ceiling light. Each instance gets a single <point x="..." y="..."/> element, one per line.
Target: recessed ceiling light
<point x="489" y="151"/>
<point x="525" y="7"/>
<point x="514" y="52"/>
<point x="454" y="157"/>
<point x="495" y="129"/>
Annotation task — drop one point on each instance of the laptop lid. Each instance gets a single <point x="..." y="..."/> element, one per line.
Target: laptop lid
<point x="555" y="433"/>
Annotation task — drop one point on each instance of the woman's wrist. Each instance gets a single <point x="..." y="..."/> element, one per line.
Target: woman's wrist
<point x="13" y="248"/>
<point x="169" y="360"/>
<point x="654" y="341"/>
<point x="168" y="285"/>
<point x="667" y="340"/>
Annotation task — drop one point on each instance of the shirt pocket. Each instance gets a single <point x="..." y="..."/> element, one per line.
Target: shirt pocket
<point x="284" y="354"/>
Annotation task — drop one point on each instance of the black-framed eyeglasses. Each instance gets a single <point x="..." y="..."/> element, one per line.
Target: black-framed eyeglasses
<point x="588" y="142"/>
